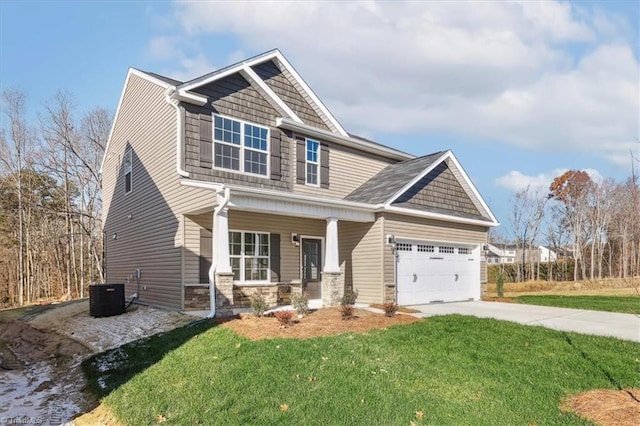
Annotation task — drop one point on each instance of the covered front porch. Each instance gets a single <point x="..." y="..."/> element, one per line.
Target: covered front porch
<point x="247" y="244"/>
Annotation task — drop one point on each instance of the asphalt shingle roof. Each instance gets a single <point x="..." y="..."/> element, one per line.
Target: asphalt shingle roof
<point x="171" y="81"/>
<point x="391" y="179"/>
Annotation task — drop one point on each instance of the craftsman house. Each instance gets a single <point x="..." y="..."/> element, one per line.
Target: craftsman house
<point x="242" y="179"/>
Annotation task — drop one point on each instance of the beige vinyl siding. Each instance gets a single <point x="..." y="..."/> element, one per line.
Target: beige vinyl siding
<point x="143" y="220"/>
<point x="361" y="258"/>
<point x="427" y="229"/>
<point x="191" y="263"/>
<point x="348" y="169"/>
<point x="257" y="222"/>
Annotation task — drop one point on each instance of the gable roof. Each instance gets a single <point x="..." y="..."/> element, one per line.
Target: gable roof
<point x="245" y="68"/>
<point x="380" y="188"/>
<point x="395" y="180"/>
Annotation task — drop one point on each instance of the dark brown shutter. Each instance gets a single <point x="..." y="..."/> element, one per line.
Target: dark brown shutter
<point x="276" y="155"/>
<point x="274" y="246"/>
<point x="301" y="157"/>
<point x="206" y="237"/>
<point x="324" y="165"/>
<point x="206" y="140"/>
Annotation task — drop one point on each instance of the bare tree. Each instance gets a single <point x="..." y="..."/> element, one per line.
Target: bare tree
<point x="571" y="190"/>
<point x="527" y="212"/>
<point x="15" y="154"/>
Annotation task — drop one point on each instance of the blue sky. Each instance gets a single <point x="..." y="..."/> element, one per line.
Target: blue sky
<point x="519" y="91"/>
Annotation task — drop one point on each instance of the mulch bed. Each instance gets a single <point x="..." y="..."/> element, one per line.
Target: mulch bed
<point x="323" y="322"/>
<point x="607" y="407"/>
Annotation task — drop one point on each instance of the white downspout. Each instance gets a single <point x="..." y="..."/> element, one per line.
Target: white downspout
<point x="179" y="133"/>
<point x="214" y="255"/>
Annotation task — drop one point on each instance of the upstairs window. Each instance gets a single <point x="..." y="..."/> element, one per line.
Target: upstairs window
<point x="313" y="162"/>
<point x="240" y="146"/>
<point x="128" y="170"/>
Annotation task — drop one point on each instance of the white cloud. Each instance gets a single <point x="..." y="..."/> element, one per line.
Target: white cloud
<point x="487" y="71"/>
<point x="517" y="181"/>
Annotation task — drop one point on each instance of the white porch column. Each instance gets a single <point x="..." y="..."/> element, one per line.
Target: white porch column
<point x="221" y="242"/>
<point x="331" y="255"/>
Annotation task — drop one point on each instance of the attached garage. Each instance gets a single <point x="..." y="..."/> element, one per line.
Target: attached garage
<point x="437" y="272"/>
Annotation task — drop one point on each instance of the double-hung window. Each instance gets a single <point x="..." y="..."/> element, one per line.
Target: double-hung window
<point x="249" y="254"/>
<point x="313" y="162"/>
<point x="240" y="146"/>
<point x="128" y="170"/>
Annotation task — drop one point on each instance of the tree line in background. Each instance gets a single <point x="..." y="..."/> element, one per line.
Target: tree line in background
<point x="592" y="225"/>
<point x="50" y="205"/>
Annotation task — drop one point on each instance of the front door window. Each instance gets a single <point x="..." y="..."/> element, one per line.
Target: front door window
<point x="311" y="267"/>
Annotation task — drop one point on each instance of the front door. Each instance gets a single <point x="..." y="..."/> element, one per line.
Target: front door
<point x="311" y="267"/>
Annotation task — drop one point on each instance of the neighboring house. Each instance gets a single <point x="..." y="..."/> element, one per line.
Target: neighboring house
<point x="545" y="254"/>
<point x="242" y="180"/>
<point x="501" y="253"/>
<point x="510" y="253"/>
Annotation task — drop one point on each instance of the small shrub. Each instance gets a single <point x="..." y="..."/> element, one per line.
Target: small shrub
<point x="390" y="309"/>
<point x="300" y="302"/>
<point x="258" y="303"/>
<point x="283" y="317"/>
<point x="346" y="311"/>
<point x="500" y="285"/>
<point x="349" y="297"/>
<point x="346" y="304"/>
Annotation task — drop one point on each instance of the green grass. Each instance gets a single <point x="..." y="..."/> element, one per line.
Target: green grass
<point x="624" y="304"/>
<point x="454" y="369"/>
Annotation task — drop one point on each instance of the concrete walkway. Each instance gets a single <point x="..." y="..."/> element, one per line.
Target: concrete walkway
<point x="622" y="326"/>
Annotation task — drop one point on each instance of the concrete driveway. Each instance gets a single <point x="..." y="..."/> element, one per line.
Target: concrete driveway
<point x="622" y="326"/>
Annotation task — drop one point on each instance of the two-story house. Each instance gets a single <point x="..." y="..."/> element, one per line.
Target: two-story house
<point x="242" y="179"/>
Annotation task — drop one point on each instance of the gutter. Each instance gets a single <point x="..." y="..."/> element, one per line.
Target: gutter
<point x="214" y="257"/>
<point x="171" y="100"/>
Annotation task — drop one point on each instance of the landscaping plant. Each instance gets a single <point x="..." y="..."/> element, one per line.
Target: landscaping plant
<point x="390" y="309"/>
<point x="300" y="302"/>
<point x="346" y="304"/>
<point x="258" y="303"/>
<point x="283" y="317"/>
<point x="500" y="285"/>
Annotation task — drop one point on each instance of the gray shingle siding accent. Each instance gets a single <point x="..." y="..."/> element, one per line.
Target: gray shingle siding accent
<point x="233" y="96"/>
<point x="439" y="191"/>
<point x="282" y="86"/>
<point x="391" y="179"/>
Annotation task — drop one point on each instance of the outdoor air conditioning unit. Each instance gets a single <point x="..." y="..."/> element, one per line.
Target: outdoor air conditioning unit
<point x="106" y="300"/>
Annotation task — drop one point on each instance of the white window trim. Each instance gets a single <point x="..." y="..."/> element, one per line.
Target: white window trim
<point x="243" y="281"/>
<point x="128" y="153"/>
<point x="316" y="163"/>
<point x="241" y="146"/>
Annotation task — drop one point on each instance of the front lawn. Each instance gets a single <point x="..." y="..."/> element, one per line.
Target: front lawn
<point x="624" y="304"/>
<point x="444" y="370"/>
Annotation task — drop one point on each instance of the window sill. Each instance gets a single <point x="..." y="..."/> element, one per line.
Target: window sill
<point x="253" y="283"/>
<point x="238" y="172"/>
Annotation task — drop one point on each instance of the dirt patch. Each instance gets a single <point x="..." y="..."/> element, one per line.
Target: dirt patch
<point x="323" y="322"/>
<point x="606" y="407"/>
<point x="30" y="344"/>
<point x="41" y="349"/>
<point x="100" y="416"/>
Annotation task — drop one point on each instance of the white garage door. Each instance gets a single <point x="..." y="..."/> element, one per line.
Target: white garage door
<point x="437" y="272"/>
